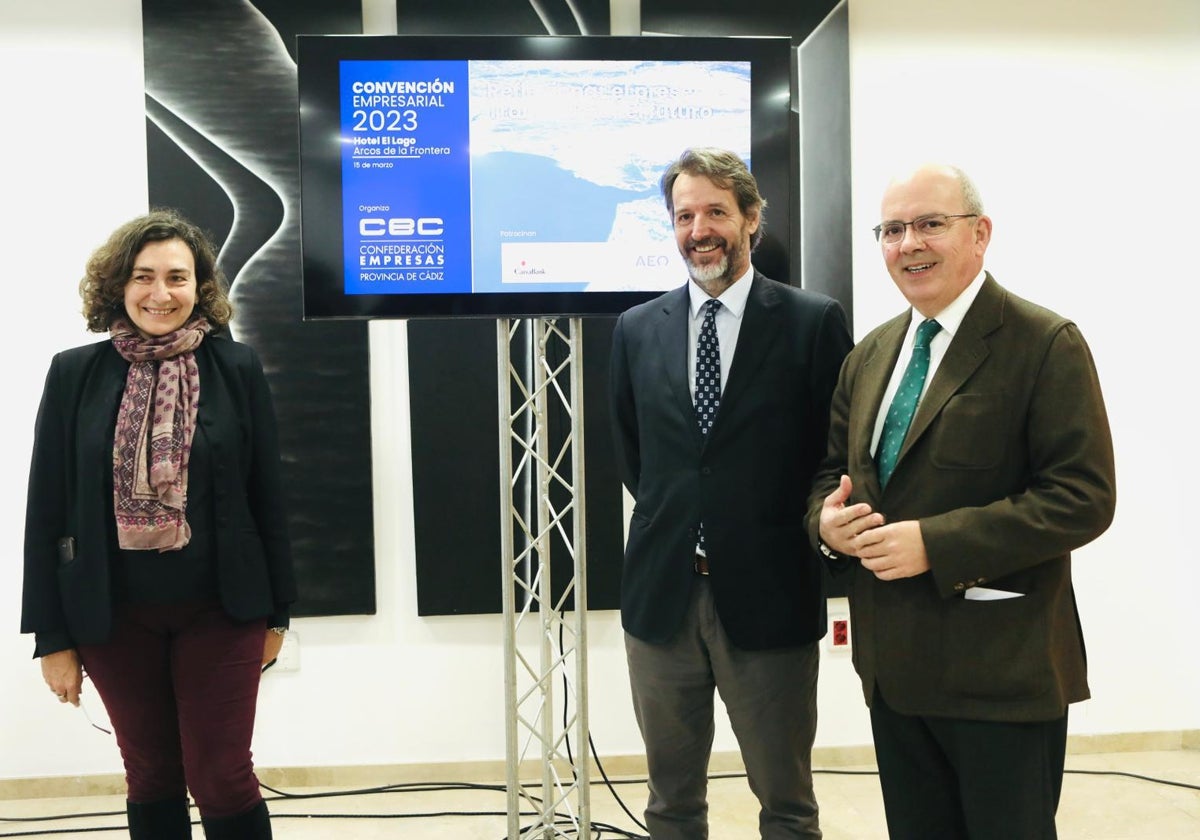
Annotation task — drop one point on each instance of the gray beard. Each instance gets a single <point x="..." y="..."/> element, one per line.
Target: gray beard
<point x="716" y="274"/>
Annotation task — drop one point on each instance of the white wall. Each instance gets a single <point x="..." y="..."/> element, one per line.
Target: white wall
<point x="1079" y="122"/>
<point x="72" y="167"/>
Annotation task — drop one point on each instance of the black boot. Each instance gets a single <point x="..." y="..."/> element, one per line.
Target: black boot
<point x="167" y="819"/>
<point x="255" y="824"/>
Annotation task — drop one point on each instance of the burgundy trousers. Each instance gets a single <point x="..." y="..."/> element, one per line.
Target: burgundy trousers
<point x="180" y="685"/>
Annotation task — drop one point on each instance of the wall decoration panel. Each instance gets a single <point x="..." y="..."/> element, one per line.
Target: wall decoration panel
<point x="503" y="17"/>
<point x="222" y="148"/>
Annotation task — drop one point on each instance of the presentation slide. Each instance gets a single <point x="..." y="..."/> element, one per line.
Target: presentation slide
<point x="482" y="176"/>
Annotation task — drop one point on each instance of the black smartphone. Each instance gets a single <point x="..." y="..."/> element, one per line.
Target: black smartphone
<point x="66" y="550"/>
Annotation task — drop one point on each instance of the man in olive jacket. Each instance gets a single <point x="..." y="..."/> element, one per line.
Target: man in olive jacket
<point x="966" y="635"/>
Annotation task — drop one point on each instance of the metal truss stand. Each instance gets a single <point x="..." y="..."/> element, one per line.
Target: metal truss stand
<point x="543" y="645"/>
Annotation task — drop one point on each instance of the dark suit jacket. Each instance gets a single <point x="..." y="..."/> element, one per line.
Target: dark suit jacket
<point x="67" y="601"/>
<point x="1008" y="466"/>
<point x="749" y="482"/>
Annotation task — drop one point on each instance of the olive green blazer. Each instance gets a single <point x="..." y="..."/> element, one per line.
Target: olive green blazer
<point x="1008" y="467"/>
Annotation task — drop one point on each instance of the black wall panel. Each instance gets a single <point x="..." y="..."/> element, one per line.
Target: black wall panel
<point x="222" y="148"/>
<point x="825" y="160"/>
<point x="502" y="17"/>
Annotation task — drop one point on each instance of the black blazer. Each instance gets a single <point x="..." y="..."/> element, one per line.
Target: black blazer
<point x="67" y="600"/>
<point x="749" y="481"/>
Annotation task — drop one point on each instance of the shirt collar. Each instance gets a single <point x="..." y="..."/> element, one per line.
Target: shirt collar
<point x="952" y="316"/>
<point x="734" y="298"/>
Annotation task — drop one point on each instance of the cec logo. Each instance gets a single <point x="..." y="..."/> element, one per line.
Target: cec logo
<point x="428" y="226"/>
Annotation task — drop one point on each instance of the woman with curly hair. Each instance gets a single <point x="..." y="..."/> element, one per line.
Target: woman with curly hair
<point x="157" y="559"/>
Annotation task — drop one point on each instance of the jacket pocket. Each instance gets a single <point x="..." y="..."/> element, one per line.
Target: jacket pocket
<point x="971" y="432"/>
<point x="996" y="650"/>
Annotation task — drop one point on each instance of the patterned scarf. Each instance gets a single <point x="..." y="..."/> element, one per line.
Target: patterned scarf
<point x="151" y="447"/>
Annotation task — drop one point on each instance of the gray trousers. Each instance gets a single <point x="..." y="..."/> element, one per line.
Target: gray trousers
<point x="771" y="699"/>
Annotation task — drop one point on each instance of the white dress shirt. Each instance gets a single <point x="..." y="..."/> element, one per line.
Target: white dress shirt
<point x="950" y="319"/>
<point x="729" y="323"/>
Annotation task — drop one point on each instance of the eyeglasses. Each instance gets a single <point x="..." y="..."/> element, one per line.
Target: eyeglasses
<point x="88" y="715"/>
<point x="927" y="227"/>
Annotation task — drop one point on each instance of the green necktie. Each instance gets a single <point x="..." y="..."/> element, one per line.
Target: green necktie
<point x="904" y="404"/>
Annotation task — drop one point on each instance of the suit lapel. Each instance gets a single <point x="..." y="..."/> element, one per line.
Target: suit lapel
<point x="758" y="331"/>
<point x="672" y="333"/>
<point x="874" y="377"/>
<point x="95" y="418"/>
<point x="101" y="392"/>
<point x="965" y="354"/>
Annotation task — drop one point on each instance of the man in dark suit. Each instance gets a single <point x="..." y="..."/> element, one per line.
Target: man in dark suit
<point x="720" y="415"/>
<point x="958" y="523"/>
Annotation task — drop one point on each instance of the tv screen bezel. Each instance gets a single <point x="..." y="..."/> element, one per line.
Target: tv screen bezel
<point x="774" y="158"/>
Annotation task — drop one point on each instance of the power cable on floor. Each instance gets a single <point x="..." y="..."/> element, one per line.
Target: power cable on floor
<point x="600" y="830"/>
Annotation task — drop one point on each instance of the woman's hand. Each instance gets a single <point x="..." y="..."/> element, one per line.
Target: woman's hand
<point x="64" y="674"/>
<point x="271" y="646"/>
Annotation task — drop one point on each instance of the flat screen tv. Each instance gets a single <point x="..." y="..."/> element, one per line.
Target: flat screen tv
<point x="517" y="176"/>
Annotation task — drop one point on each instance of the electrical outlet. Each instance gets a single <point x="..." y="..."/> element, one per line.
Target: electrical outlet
<point x="838" y="639"/>
<point x="289" y="654"/>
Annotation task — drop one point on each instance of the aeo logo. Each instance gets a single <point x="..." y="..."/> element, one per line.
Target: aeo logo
<point x="651" y="260"/>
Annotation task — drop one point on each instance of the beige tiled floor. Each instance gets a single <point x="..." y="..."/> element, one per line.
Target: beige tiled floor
<point x="1094" y="807"/>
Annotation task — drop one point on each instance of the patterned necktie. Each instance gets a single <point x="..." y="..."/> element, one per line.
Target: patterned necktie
<point x="904" y="404"/>
<point x="708" y="368"/>
<point x="708" y="379"/>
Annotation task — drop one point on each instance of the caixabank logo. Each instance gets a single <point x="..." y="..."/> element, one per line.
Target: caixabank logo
<point x="525" y="270"/>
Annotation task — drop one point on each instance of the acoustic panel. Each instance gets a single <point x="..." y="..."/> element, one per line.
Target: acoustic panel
<point x="222" y="149"/>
